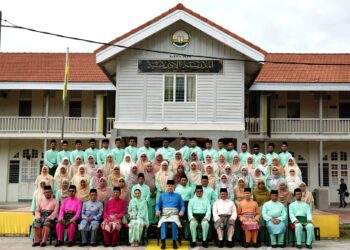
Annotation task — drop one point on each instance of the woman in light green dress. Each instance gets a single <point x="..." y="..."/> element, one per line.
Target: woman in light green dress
<point x="138" y="213"/>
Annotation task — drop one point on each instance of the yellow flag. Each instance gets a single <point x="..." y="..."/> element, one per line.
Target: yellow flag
<point x="66" y="77"/>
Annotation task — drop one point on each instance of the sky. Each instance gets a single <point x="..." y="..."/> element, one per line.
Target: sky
<point x="307" y="26"/>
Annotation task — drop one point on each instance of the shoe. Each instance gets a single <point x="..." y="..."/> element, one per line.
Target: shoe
<point x="106" y="245"/>
<point x="193" y="244"/>
<point x="94" y="244"/>
<point x="274" y="246"/>
<point x="256" y="245"/>
<point x="174" y="244"/>
<point x="282" y="246"/>
<point x="309" y="246"/>
<point x="114" y="245"/>
<point x="221" y="244"/>
<point x="246" y="245"/>
<point x="299" y="246"/>
<point x="59" y="243"/>
<point x="205" y="244"/>
<point x="35" y="244"/>
<point x="345" y="205"/>
<point x="163" y="246"/>
<point x="229" y="244"/>
<point x="43" y="244"/>
<point x="82" y="244"/>
<point x="70" y="244"/>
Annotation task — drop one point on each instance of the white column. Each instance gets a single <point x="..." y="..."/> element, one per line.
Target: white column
<point x="313" y="161"/>
<point x="320" y="106"/>
<point x="4" y="168"/>
<point x="321" y="163"/>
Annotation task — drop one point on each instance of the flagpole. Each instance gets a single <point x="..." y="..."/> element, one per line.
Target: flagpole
<point x="65" y="93"/>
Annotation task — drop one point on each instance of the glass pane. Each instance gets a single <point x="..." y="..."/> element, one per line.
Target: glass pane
<point x="25" y="108"/>
<point x="180" y="89"/>
<point x="293" y="109"/>
<point x="75" y="109"/>
<point x="191" y="88"/>
<point x="168" y="89"/>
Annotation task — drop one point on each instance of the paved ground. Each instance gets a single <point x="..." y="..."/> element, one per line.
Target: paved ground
<point x="12" y="243"/>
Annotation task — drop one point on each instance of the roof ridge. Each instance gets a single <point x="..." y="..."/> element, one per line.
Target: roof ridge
<point x="50" y="53"/>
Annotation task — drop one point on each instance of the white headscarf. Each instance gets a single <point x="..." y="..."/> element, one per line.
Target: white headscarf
<point x="125" y="167"/>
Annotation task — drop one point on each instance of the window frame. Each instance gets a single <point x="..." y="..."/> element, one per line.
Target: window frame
<point x="174" y="76"/>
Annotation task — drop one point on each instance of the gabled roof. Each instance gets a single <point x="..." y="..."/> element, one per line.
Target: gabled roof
<point x="49" y="67"/>
<point x="178" y="8"/>
<point x="293" y="73"/>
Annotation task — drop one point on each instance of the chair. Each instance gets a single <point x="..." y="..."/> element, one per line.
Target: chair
<point x="292" y="229"/>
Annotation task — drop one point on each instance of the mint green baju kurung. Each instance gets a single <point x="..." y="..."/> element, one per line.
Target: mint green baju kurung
<point x="221" y="151"/>
<point x="145" y="191"/>
<point x="102" y="154"/>
<point x="63" y="154"/>
<point x="90" y="151"/>
<point x="167" y="153"/>
<point x="198" y="151"/>
<point x="212" y="152"/>
<point x="210" y="194"/>
<point x="138" y="213"/>
<point x="270" y="156"/>
<point x="230" y="155"/>
<point x="76" y="153"/>
<point x="50" y="160"/>
<point x="300" y="210"/>
<point x="185" y="152"/>
<point x="151" y="153"/>
<point x="118" y="155"/>
<point x="186" y="192"/>
<point x="275" y="209"/>
<point x="131" y="150"/>
<point x="283" y="157"/>
<point x="243" y="156"/>
<point x="256" y="158"/>
<point x="199" y="208"/>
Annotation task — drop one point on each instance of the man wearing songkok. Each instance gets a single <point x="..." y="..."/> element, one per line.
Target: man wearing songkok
<point x="68" y="216"/>
<point x="209" y="192"/>
<point x="91" y="215"/>
<point x="169" y="208"/>
<point x="166" y="151"/>
<point x="92" y="150"/>
<point x="151" y="152"/>
<point x="275" y="214"/>
<point x="45" y="214"/>
<point x="132" y="149"/>
<point x="225" y="214"/>
<point x="113" y="214"/>
<point x="50" y="158"/>
<point x="77" y="152"/>
<point x="249" y="215"/>
<point x="199" y="211"/>
<point x="103" y="152"/>
<point x="301" y="216"/>
<point x="145" y="190"/>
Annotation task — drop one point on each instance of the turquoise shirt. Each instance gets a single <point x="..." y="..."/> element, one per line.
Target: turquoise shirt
<point x="50" y="158"/>
<point x="167" y="153"/>
<point x="212" y="152"/>
<point x="131" y="150"/>
<point x="274" y="209"/>
<point x="76" y="153"/>
<point x="243" y="156"/>
<point x="102" y="154"/>
<point x="185" y="151"/>
<point x="284" y="157"/>
<point x="118" y="155"/>
<point x="90" y="151"/>
<point x="256" y="158"/>
<point x="210" y="194"/>
<point x="62" y="154"/>
<point x="299" y="208"/>
<point x="185" y="192"/>
<point x="198" y="151"/>
<point x="230" y="154"/>
<point x="151" y="153"/>
<point x="270" y="156"/>
<point x="199" y="205"/>
<point x="145" y="191"/>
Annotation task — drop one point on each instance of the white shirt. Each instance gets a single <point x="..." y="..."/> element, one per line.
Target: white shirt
<point x="222" y="207"/>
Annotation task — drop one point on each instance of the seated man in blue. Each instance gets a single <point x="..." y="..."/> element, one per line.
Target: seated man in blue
<point x="301" y="216"/>
<point x="169" y="208"/>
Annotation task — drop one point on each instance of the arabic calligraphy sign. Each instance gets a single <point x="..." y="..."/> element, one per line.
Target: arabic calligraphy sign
<point x="180" y="66"/>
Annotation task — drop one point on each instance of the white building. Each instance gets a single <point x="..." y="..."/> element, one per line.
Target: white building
<point x="183" y="94"/>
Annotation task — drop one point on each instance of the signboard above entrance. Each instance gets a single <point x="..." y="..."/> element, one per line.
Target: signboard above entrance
<point x="180" y="66"/>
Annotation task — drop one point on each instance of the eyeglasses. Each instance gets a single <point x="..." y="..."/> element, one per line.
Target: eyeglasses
<point x="292" y="171"/>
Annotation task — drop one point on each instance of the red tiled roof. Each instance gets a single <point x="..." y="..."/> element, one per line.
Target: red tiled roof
<point x="49" y="67"/>
<point x="183" y="8"/>
<point x="271" y="72"/>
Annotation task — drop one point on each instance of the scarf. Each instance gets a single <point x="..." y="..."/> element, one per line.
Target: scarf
<point x="46" y="177"/>
<point x="83" y="193"/>
<point x="141" y="164"/>
<point x="150" y="180"/>
<point x="104" y="193"/>
<point x="174" y="164"/>
<point x="162" y="177"/>
<point x="108" y="166"/>
<point x="261" y="195"/>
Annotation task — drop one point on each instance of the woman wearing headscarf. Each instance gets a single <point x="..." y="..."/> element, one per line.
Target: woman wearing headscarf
<point x="250" y="165"/>
<point x="163" y="175"/>
<point x="293" y="180"/>
<point x="157" y="164"/>
<point x="38" y="195"/>
<point x="114" y="176"/>
<point x="109" y="164"/>
<point x="224" y="183"/>
<point x="63" y="164"/>
<point x="276" y="163"/>
<point x="142" y="162"/>
<point x="261" y="195"/>
<point x="246" y="176"/>
<point x="74" y="167"/>
<point x="194" y="158"/>
<point x="83" y="190"/>
<point x="306" y="195"/>
<point x="138" y="212"/>
<point x="62" y="192"/>
<point x="95" y="180"/>
<point x="90" y="166"/>
<point x="236" y="165"/>
<point x="194" y="175"/>
<point x="124" y="190"/>
<point x="179" y="172"/>
<point x="104" y="192"/>
<point x="238" y="192"/>
<point x="212" y="176"/>
<point x="208" y="160"/>
<point x="273" y="180"/>
<point x="284" y="196"/>
<point x="264" y="167"/>
<point x="222" y="163"/>
<point x="126" y="165"/>
<point x="257" y="176"/>
<point x="81" y="173"/>
<point x="150" y="180"/>
<point x="178" y="160"/>
<point x="291" y="164"/>
<point x="231" y="178"/>
<point x="60" y="174"/>
<point x="44" y="175"/>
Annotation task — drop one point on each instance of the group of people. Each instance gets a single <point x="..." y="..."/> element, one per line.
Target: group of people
<point x="109" y="188"/>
